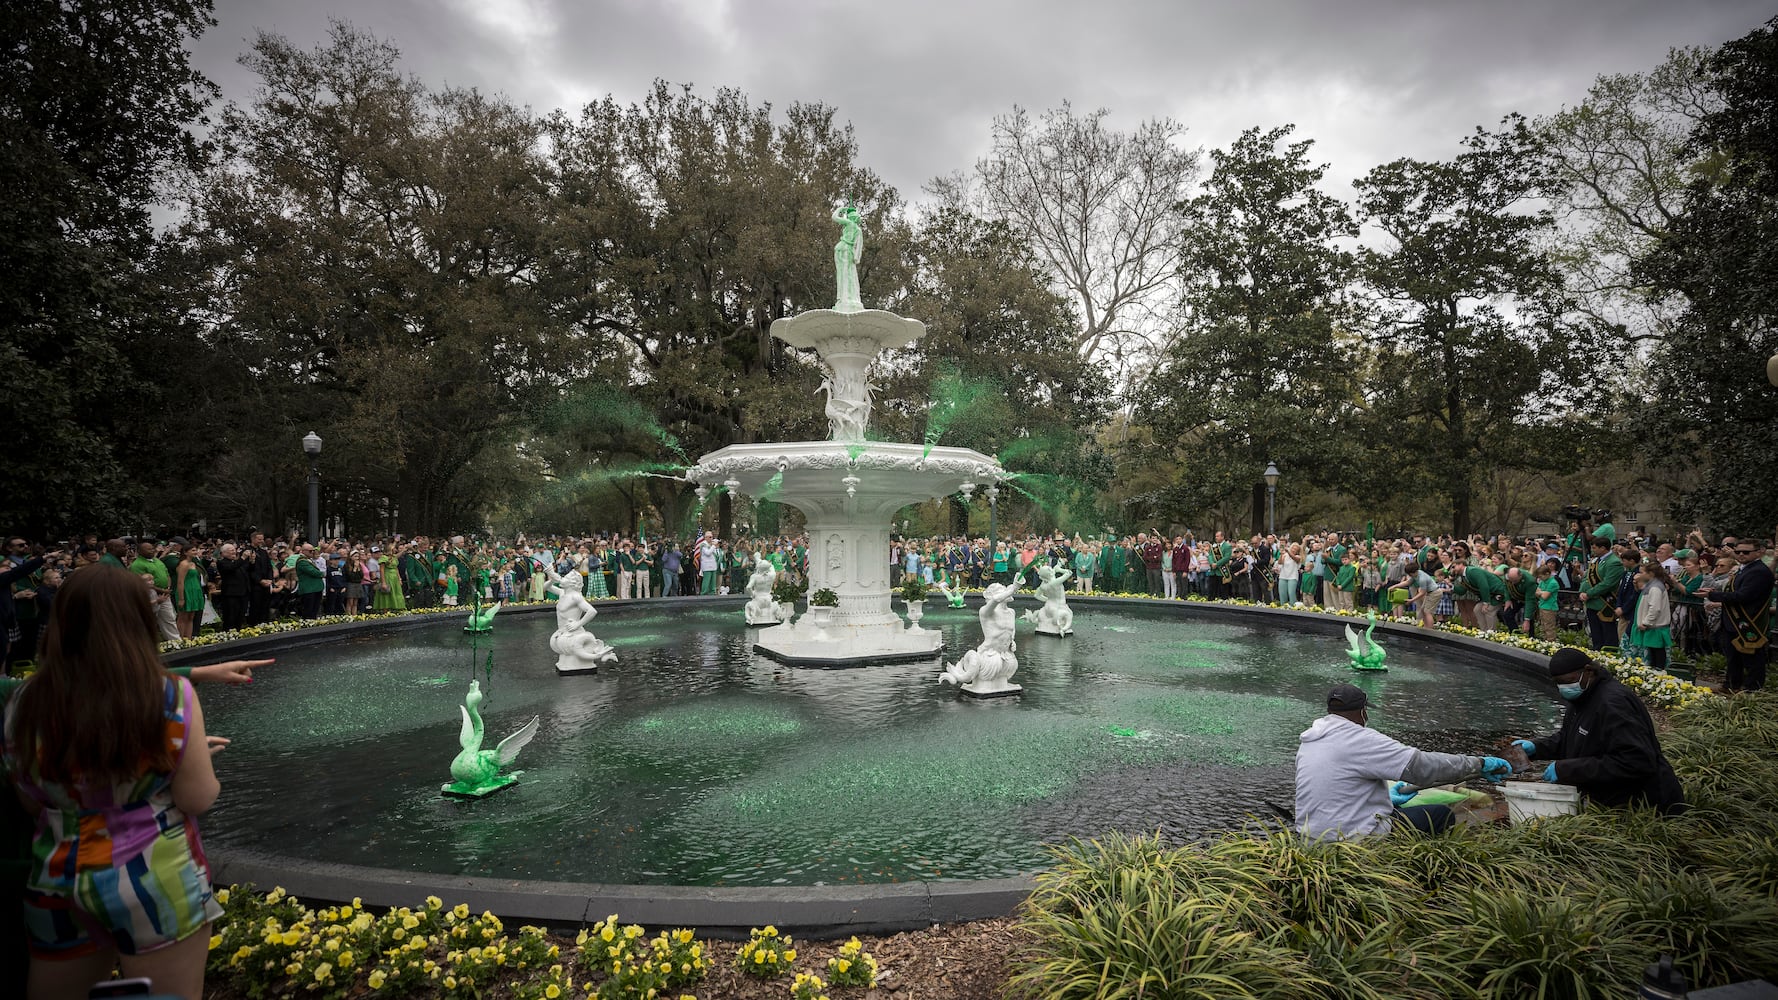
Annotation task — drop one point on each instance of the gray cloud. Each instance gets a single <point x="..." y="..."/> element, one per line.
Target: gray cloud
<point x="1369" y="80"/>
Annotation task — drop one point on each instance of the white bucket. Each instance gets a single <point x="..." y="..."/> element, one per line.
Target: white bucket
<point x="1527" y="801"/>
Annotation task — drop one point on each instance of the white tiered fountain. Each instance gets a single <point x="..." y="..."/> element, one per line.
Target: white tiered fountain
<point x="848" y="488"/>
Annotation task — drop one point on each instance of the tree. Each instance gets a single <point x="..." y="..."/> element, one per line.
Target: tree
<point x="1097" y="206"/>
<point x="1262" y="370"/>
<point x="98" y="102"/>
<point x="1476" y="346"/>
<point x="1622" y="166"/>
<point x="1713" y="407"/>
<point x="366" y="251"/>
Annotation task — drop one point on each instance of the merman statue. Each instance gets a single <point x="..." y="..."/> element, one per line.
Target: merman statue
<point x="476" y="772"/>
<point x="1365" y="654"/>
<point x="577" y="650"/>
<point x="482" y="619"/>
<point x="1055" y="617"/>
<point x="761" y="609"/>
<point x="986" y="671"/>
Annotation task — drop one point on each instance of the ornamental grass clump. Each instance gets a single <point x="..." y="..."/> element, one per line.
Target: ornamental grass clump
<point x="766" y="953"/>
<point x="1571" y="906"/>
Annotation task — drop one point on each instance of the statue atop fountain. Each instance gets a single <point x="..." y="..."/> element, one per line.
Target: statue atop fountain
<point x="761" y="609"/>
<point x="577" y="650"/>
<point x="846" y="255"/>
<point x="986" y="670"/>
<point x="1055" y="617"/>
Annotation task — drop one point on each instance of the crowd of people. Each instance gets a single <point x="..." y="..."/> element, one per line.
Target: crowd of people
<point x="1642" y="596"/>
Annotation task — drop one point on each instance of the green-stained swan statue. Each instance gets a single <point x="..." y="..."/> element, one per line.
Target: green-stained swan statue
<point x="476" y="772"/>
<point x="482" y="620"/>
<point x="1365" y="654"/>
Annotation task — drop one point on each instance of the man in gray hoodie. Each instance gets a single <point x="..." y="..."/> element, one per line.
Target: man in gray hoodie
<point x="1343" y="765"/>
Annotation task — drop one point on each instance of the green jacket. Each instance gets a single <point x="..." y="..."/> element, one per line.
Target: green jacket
<point x="1600" y="586"/>
<point x="1483" y="585"/>
<point x="310" y="578"/>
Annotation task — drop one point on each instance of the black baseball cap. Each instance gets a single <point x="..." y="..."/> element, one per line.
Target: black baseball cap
<point x="1347" y="698"/>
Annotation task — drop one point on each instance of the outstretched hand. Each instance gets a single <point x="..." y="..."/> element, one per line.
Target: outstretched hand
<point x="232" y="672"/>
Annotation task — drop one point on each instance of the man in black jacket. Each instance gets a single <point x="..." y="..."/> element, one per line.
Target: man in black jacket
<point x="234" y="582"/>
<point x="8" y="611"/>
<point x="260" y="577"/>
<point x="1746" y="617"/>
<point x="1607" y="746"/>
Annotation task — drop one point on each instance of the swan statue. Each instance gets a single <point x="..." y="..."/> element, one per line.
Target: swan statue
<point x="1365" y="654"/>
<point x="476" y="772"/>
<point x="483" y="620"/>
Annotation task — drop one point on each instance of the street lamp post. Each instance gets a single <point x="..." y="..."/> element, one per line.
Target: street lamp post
<point x="1271" y="475"/>
<point x="993" y="494"/>
<point x="312" y="448"/>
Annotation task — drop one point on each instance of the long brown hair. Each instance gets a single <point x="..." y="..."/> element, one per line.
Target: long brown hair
<point x="93" y="711"/>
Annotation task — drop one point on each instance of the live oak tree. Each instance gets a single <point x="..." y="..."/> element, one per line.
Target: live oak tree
<point x="1478" y="356"/>
<point x="1710" y="404"/>
<point x="1263" y="369"/>
<point x="98" y="110"/>
<point x="365" y="251"/>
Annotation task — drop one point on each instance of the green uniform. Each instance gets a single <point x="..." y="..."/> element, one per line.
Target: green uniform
<point x="1600" y="587"/>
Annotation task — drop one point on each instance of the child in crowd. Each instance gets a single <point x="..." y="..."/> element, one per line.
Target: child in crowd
<point x="450" y="586"/>
<point x="1548" y="585"/>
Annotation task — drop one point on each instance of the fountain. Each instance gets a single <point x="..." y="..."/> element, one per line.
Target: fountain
<point x="848" y="489"/>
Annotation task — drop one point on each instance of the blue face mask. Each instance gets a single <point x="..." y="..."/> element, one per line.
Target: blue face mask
<point x="1570" y="691"/>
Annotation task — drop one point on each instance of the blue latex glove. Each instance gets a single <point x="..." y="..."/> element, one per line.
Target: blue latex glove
<point x="1526" y="745"/>
<point x="1495" y="769"/>
<point x="1399" y="797"/>
<point x="1549" y="773"/>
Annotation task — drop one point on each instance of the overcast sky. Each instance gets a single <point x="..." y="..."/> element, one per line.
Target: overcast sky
<point x="920" y="81"/>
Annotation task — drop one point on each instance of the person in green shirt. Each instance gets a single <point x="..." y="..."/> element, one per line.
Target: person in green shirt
<point x="1486" y="589"/>
<point x="149" y="564"/>
<point x="1547" y="589"/>
<point x="1604" y="572"/>
<point x="311" y="581"/>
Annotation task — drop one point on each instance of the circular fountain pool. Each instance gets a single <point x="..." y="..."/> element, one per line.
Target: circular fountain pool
<point x="694" y="761"/>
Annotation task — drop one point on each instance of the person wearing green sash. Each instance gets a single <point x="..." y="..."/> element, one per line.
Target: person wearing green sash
<point x="1487" y="589"/>
<point x="1221" y="569"/>
<point x="1746" y="606"/>
<point x="1604" y="572"/>
<point x="1111" y="568"/>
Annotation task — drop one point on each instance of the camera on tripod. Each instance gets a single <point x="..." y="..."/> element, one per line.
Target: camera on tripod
<point x="1575" y="512"/>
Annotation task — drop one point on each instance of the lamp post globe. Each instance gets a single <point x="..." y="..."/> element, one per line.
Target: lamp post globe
<point x="1271" y="477"/>
<point x="312" y="448"/>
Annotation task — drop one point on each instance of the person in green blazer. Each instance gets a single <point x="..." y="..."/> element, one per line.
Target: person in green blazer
<point x="311" y="581"/>
<point x="1604" y="572"/>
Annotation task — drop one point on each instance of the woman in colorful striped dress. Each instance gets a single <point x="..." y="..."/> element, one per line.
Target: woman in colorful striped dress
<point x="110" y="753"/>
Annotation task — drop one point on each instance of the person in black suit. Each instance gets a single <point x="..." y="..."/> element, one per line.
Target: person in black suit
<point x="1746" y="605"/>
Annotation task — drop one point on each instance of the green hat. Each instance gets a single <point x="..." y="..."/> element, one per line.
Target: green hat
<point x="1684" y="554"/>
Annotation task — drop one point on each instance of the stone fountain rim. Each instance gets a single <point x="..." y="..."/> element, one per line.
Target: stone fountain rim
<point x="719" y="912"/>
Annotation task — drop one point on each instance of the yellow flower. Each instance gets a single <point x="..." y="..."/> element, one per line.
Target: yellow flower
<point x="215" y="941"/>
<point x="322" y="971"/>
<point x="840" y="965"/>
<point x="450" y="982"/>
<point x="580" y="939"/>
<point x="552" y="991"/>
<point x="770" y="931"/>
<point x="684" y="935"/>
<point x="607" y="934"/>
<point x="759" y="958"/>
<point x="461" y="911"/>
<point x="222" y="896"/>
<point x="377" y="978"/>
<point x="289" y="938"/>
<point x="398" y="934"/>
<point x="345" y="959"/>
<point x="433" y="902"/>
<point x="790" y="954"/>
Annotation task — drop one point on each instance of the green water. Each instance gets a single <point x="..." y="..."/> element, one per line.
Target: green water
<point x="692" y="760"/>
